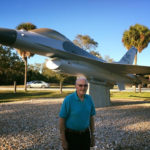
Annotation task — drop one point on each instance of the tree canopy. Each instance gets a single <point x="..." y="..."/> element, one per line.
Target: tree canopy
<point x="85" y="42"/>
<point x="11" y="68"/>
<point x="137" y="36"/>
<point x="26" y="26"/>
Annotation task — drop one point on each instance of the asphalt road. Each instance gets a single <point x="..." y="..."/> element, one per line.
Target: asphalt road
<point x="38" y="89"/>
<point x="68" y="89"/>
<point x="131" y="90"/>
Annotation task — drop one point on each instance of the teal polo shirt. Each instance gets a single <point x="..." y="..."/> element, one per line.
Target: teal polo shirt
<point x="77" y="113"/>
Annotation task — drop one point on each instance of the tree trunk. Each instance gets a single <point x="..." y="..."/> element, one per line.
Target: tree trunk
<point x="14" y="86"/>
<point x="25" y="75"/>
<point x="140" y="85"/>
<point x="134" y="88"/>
<point x="135" y="59"/>
<point x="135" y="63"/>
<point x="61" y="87"/>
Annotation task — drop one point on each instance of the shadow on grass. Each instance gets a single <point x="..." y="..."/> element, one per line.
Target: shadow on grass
<point x="131" y="97"/>
<point x="143" y="97"/>
<point x="9" y="96"/>
<point x="128" y="102"/>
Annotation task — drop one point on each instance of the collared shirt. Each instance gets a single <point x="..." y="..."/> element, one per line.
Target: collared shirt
<point x="77" y="113"/>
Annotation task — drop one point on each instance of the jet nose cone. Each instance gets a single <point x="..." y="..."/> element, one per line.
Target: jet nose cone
<point x="7" y="36"/>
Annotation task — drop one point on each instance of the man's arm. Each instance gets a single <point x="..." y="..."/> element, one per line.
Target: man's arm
<point x="92" y="130"/>
<point x="62" y="133"/>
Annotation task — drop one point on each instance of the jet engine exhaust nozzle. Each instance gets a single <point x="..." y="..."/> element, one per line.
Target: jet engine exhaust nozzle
<point x="7" y="36"/>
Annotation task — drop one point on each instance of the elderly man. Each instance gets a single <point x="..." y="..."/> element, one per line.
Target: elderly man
<point x="77" y="119"/>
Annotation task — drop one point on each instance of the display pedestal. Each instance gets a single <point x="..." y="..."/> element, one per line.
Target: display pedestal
<point x="100" y="93"/>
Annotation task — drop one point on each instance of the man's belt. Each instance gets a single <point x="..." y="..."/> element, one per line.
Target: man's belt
<point x="76" y="131"/>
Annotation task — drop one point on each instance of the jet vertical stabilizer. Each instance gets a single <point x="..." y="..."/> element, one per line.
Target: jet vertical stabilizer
<point x="128" y="58"/>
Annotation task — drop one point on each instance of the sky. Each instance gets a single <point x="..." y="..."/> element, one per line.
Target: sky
<point x="103" y="20"/>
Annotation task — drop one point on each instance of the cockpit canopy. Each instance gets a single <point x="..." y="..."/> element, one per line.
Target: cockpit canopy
<point x="50" y="33"/>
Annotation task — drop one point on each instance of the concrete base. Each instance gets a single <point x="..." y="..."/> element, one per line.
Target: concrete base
<point x="100" y="93"/>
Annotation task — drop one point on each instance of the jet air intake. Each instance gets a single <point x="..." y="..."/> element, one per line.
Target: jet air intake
<point x="53" y="64"/>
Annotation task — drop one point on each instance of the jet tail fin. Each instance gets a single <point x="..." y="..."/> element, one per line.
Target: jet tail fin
<point x="128" y="58"/>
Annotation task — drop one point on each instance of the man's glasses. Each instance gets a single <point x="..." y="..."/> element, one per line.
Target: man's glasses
<point x="82" y="85"/>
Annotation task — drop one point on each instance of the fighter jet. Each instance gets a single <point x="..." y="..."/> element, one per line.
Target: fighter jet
<point x="65" y="56"/>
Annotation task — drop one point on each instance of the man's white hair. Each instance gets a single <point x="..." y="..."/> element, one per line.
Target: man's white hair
<point x="81" y="78"/>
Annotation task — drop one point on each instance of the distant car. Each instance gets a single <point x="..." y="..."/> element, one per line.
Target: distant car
<point x="37" y="84"/>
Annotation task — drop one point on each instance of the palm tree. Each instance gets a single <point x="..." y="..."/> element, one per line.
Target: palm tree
<point x="25" y="54"/>
<point x="137" y="36"/>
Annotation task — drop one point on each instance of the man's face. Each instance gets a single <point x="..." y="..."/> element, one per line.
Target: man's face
<point x="81" y="87"/>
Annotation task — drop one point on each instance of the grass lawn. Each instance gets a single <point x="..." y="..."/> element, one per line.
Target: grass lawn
<point x="9" y="96"/>
<point x="130" y="95"/>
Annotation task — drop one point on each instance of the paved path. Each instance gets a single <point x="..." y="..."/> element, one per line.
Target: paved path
<point x="33" y="125"/>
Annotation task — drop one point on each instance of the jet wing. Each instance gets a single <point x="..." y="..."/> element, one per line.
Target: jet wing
<point x="113" y="67"/>
<point x="127" y="69"/>
<point x="121" y="68"/>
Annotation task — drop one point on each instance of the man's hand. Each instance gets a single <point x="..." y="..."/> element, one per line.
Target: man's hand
<point x="64" y="144"/>
<point x="62" y="133"/>
<point x="92" y="140"/>
<point x="92" y="127"/>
